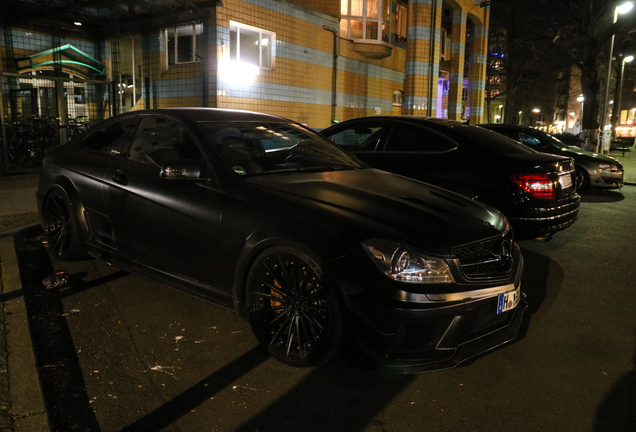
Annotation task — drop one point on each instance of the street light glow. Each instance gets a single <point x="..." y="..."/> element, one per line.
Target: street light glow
<point x="625" y="7"/>
<point x="628" y="59"/>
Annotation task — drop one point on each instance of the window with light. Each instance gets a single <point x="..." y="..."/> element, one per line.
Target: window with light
<point x="251" y="45"/>
<point x="365" y="20"/>
<point x="184" y="44"/>
<point x="400" y="31"/>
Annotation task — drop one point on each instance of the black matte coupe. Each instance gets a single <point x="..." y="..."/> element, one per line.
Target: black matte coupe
<point x="315" y="249"/>
<point x="534" y="190"/>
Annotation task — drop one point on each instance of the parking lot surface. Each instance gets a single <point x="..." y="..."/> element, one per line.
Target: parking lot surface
<point x="116" y="352"/>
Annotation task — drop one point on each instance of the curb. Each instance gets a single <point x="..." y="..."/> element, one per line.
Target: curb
<point x="27" y="402"/>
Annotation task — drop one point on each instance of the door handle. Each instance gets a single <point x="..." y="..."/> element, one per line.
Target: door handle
<point x="120" y="177"/>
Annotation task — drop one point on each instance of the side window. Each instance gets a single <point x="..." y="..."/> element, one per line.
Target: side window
<point x="529" y="140"/>
<point x="112" y="138"/>
<point x="359" y="138"/>
<point x="414" y="138"/>
<point x="160" y="141"/>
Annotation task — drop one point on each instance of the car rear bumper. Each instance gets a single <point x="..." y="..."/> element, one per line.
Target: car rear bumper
<point x="537" y="222"/>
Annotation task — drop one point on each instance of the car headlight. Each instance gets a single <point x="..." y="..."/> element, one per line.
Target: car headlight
<point x="610" y="167"/>
<point x="405" y="264"/>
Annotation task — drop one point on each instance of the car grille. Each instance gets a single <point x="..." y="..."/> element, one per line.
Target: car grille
<point x="492" y="258"/>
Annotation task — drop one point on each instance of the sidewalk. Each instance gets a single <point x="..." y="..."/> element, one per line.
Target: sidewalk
<point x="22" y="406"/>
<point x="629" y="164"/>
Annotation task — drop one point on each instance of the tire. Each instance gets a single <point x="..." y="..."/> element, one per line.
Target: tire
<point x="61" y="227"/>
<point x="293" y="311"/>
<point x="581" y="179"/>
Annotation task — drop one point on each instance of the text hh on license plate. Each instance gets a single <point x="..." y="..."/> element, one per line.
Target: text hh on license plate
<point x="565" y="180"/>
<point x="509" y="300"/>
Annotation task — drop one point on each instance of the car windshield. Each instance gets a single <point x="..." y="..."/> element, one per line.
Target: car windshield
<point x="492" y="141"/>
<point x="253" y="148"/>
<point x="555" y="141"/>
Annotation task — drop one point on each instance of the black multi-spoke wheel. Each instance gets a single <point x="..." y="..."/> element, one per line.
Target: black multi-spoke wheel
<point x="61" y="228"/>
<point x="293" y="313"/>
<point x="581" y="179"/>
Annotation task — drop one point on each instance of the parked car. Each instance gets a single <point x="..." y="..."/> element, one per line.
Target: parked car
<point x="592" y="170"/>
<point x="534" y="190"/>
<point x="268" y="218"/>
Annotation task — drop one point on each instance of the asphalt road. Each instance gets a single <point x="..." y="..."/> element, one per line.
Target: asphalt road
<point x="116" y="352"/>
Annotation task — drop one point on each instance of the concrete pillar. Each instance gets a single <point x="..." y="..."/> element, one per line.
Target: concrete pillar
<point x="478" y="74"/>
<point x="458" y="46"/>
<point x="422" y="63"/>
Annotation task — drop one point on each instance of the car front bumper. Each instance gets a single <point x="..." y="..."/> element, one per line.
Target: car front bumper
<point x="416" y="341"/>
<point x="607" y="179"/>
<point x="416" y="337"/>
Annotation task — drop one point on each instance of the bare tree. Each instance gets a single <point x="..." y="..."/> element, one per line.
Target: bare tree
<point x="524" y="65"/>
<point x="580" y="31"/>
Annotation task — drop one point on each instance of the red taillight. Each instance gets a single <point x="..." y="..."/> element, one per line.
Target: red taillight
<point x="535" y="185"/>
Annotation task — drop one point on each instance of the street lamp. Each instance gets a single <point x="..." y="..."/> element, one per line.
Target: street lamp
<point x="536" y="111"/>
<point x="620" y="9"/>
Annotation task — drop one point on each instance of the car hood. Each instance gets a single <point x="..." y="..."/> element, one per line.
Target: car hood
<point x="369" y="203"/>
<point x="576" y="151"/>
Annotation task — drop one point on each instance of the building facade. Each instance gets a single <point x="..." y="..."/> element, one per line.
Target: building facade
<point x="316" y="62"/>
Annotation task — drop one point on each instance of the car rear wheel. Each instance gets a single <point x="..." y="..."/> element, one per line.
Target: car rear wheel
<point x="61" y="227"/>
<point x="581" y="179"/>
<point x="292" y="309"/>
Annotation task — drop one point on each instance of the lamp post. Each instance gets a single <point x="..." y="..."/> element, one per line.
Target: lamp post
<point x="581" y="99"/>
<point x="620" y="9"/>
<point x="617" y="105"/>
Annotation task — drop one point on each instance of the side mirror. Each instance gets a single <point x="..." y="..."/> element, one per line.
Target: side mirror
<point x="184" y="170"/>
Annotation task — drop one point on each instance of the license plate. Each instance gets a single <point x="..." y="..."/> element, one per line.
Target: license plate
<point x="565" y="180"/>
<point x="509" y="300"/>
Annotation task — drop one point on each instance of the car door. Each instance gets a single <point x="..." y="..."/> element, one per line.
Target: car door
<point x="101" y="148"/>
<point x="419" y="152"/>
<point x="171" y="225"/>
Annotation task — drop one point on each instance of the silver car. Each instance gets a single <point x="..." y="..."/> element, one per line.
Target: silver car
<point x="592" y="169"/>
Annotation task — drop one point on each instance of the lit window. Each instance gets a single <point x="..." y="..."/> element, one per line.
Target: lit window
<point x="366" y="20"/>
<point x="184" y="44"/>
<point x="251" y="45"/>
<point x="400" y="31"/>
<point x="398" y="98"/>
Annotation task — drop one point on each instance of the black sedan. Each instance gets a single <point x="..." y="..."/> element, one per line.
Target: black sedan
<point x="534" y="190"/>
<point x="267" y="218"/>
<point x="592" y="170"/>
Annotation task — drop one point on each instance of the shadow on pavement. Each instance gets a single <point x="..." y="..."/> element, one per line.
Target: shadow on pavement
<point x="63" y="385"/>
<point x="601" y="196"/>
<point x="202" y="391"/>
<point x="334" y="397"/>
<point x="616" y="413"/>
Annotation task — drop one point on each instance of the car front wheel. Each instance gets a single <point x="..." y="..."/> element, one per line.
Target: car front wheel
<point x="581" y="179"/>
<point x="292" y="309"/>
<point x="61" y="227"/>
